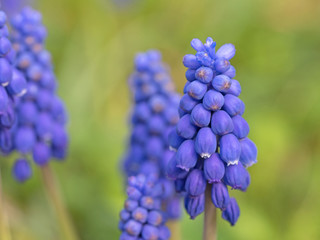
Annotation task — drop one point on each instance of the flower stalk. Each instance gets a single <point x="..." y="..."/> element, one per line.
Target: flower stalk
<point x="54" y="196"/>
<point x="210" y="218"/>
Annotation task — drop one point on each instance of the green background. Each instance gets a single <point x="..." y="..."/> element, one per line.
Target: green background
<point x="93" y="43"/>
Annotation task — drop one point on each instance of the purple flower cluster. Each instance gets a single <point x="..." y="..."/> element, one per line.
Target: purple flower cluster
<point x="210" y="139"/>
<point x="41" y="117"/>
<point x="142" y="217"/>
<point x="12" y="86"/>
<point x="154" y="115"/>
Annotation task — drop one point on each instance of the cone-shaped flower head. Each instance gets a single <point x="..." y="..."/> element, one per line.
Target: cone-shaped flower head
<point x="154" y="115"/>
<point x="13" y="86"/>
<point x="39" y="131"/>
<point x="142" y="217"/>
<point x="210" y="139"/>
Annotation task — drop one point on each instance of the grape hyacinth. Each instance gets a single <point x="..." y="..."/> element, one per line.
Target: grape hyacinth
<point x="40" y="126"/>
<point x="142" y="217"/>
<point x="12" y="86"/>
<point x="154" y="115"/>
<point x="210" y="139"/>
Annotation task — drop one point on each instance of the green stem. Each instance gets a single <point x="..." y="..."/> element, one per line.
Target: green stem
<point x="175" y="229"/>
<point x="55" y="198"/>
<point x="4" y="222"/>
<point x="210" y="219"/>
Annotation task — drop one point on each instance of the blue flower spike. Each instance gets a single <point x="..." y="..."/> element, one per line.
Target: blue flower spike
<point x="153" y="120"/>
<point x="141" y="218"/>
<point x="211" y="138"/>
<point x="13" y="86"/>
<point x="40" y="130"/>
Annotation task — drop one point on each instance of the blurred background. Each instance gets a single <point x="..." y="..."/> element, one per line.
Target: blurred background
<point x="93" y="43"/>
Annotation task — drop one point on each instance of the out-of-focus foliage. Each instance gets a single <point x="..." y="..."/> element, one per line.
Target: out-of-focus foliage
<point x="277" y="61"/>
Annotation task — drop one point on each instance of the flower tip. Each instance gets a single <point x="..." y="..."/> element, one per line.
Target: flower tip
<point x="235" y="162"/>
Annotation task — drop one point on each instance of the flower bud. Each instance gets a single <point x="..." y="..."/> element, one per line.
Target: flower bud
<point x="197" y="45"/>
<point x="213" y="168"/>
<point x="24" y="139"/>
<point x="140" y="214"/>
<point x="213" y="100"/>
<point x="141" y="61"/>
<point x="186" y="155"/>
<point x="221" y="83"/>
<point x="150" y="232"/>
<point x="154" y="147"/>
<point x="200" y="116"/>
<point x="18" y="84"/>
<point x="155" y="218"/>
<point x="205" y="143"/>
<point x="133" y="227"/>
<point x="230" y="149"/>
<point x="235" y="88"/>
<point x="21" y="170"/>
<point x="187" y="103"/>
<point x="196" y="89"/>
<point x="171" y="115"/>
<point x="221" y="123"/>
<point x="44" y="100"/>
<point x="5" y="72"/>
<point x="158" y="103"/>
<point x="126" y="236"/>
<point x="190" y="61"/>
<point x="219" y="195"/>
<point x="139" y="134"/>
<point x="233" y="105"/>
<point x="142" y="111"/>
<point x="204" y="74"/>
<point x="232" y="213"/>
<point x="3" y="19"/>
<point x="194" y="205"/>
<point x="133" y="193"/>
<point x="147" y="202"/>
<point x="27" y="113"/>
<point x="41" y="153"/>
<point x="130" y="205"/>
<point x="241" y="127"/>
<point x="44" y="126"/>
<point x="8" y="118"/>
<point x="195" y="183"/>
<point x="249" y="152"/>
<point x="231" y="72"/>
<point x="175" y="140"/>
<point x="204" y="59"/>
<point x="237" y="177"/>
<point x="226" y="51"/>
<point x="185" y="128"/>
<point x="156" y="125"/>
<point x="210" y="47"/>
<point x="173" y="172"/>
<point x="190" y="75"/>
<point x="124" y="215"/>
<point x="221" y="65"/>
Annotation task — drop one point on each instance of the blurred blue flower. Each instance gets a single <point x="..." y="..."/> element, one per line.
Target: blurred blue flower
<point x="13" y="85"/>
<point x="142" y="218"/>
<point x="154" y="115"/>
<point x="40" y="128"/>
